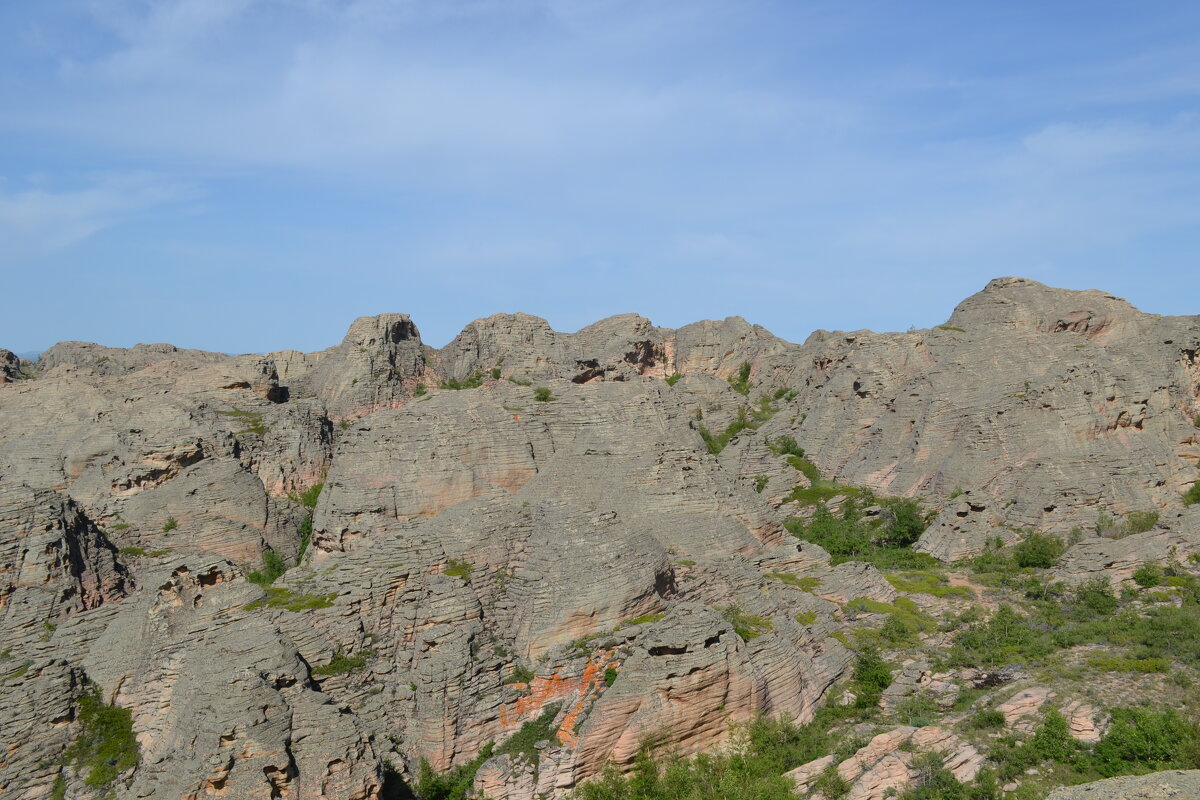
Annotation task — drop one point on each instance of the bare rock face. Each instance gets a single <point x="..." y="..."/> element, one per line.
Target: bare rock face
<point x="10" y="366"/>
<point x="53" y="561"/>
<point x="377" y="365"/>
<point x="1173" y="785"/>
<point x="1175" y="539"/>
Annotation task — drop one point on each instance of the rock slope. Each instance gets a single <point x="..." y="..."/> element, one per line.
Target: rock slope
<point x="528" y="524"/>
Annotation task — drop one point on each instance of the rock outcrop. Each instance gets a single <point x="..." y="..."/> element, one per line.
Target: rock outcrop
<point x="534" y="528"/>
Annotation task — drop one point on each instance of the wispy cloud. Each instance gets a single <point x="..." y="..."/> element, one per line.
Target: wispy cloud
<point x="37" y="220"/>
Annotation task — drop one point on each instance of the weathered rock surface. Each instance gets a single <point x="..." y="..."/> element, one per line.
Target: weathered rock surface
<point x="1173" y="785"/>
<point x="481" y="557"/>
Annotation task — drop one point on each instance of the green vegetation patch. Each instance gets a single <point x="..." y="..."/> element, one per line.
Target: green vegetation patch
<point x="106" y="747"/>
<point x="644" y="619"/>
<point x="459" y="569"/>
<point x="472" y="381"/>
<point x="1119" y="664"/>
<point x="251" y="419"/>
<point x="520" y="674"/>
<point x="745" y="625"/>
<point x="807" y="582"/>
<point x="740" y="383"/>
<point x="885" y="541"/>
<point x="537" y="730"/>
<point x="673" y="379"/>
<point x="954" y="328"/>
<point x="273" y="567"/>
<point x="542" y="395"/>
<point x="926" y="582"/>
<point x="342" y="663"/>
<point x="284" y="598"/>
<point x="1192" y="496"/>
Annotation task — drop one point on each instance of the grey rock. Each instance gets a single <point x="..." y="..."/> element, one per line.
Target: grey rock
<point x="1173" y="785"/>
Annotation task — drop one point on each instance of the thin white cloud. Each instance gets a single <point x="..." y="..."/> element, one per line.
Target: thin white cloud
<point x="37" y="220"/>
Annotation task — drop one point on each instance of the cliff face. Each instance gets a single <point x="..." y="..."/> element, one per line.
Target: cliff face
<point x="526" y="520"/>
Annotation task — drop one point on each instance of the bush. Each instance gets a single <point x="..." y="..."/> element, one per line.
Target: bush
<point x="341" y="663"/>
<point x="273" y="567"/>
<point x="673" y="379"/>
<point x="1148" y="575"/>
<point x="786" y="446"/>
<point x="170" y="525"/>
<point x="871" y="676"/>
<point x="986" y="719"/>
<point x="1038" y="550"/>
<point x="1192" y="496"/>
<point x="1144" y="740"/>
<point x="741" y="383"/>
<point x="542" y="395"/>
<point x="1052" y="740"/>
<point x="1097" y="596"/>
<point x="452" y="785"/>
<point x="744" y="625"/>
<point x="1139" y="522"/>
<point x="106" y="746"/>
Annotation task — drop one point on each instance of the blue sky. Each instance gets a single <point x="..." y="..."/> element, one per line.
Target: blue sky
<point x="248" y="175"/>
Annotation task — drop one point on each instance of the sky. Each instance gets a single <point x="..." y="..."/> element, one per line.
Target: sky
<point x="251" y="175"/>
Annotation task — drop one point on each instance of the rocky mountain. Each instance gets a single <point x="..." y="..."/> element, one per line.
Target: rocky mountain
<point x="516" y="559"/>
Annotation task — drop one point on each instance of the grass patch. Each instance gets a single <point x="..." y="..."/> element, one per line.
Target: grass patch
<point x="170" y="525"/>
<point x="745" y="625"/>
<point x="904" y="624"/>
<point x="929" y="583"/>
<point x="284" y="598"/>
<point x="760" y="482"/>
<point x="786" y="446"/>
<point x="807" y="582"/>
<point x="459" y="569"/>
<point x="252" y="420"/>
<point x="542" y="395"/>
<point x="673" y="379"/>
<point x="644" y="619"/>
<point x="519" y="381"/>
<point x="1118" y="664"/>
<point x="1192" y="496"/>
<point x="806" y="618"/>
<point x="341" y="663"/>
<point x="954" y="328"/>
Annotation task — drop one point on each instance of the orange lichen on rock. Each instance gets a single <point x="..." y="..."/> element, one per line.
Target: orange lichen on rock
<point x="576" y="693"/>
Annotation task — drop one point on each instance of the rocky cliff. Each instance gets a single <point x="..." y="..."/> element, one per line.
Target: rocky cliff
<point x="587" y="532"/>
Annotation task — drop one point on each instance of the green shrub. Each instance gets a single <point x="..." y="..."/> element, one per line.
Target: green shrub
<point x="308" y="498"/>
<point x="452" y="785"/>
<point x="472" y="381"/>
<point x="106" y="746"/>
<point x="1002" y="639"/>
<point x="541" y="729"/>
<point x="850" y="537"/>
<point x="520" y="674"/>
<point x="542" y="395"/>
<point x="1148" y="575"/>
<point x="741" y="382"/>
<point x="806" y="583"/>
<point x="170" y="525"/>
<point x="831" y="784"/>
<point x="273" y="567"/>
<point x="1097" y="596"/>
<point x="252" y="420"/>
<point x="929" y="583"/>
<point x="1117" y="664"/>
<point x="760" y="482"/>
<point x="495" y="373"/>
<point x="673" y="379"/>
<point x="986" y="719"/>
<point x="1139" y="522"/>
<point x="1039" y="550"/>
<point x="1146" y="740"/>
<point x="610" y="676"/>
<point x="459" y="569"/>
<point x="419" y="390"/>
<point x="1052" y="740"/>
<point x="871" y="676"/>
<point x="786" y="446"/>
<point x="1192" y="496"/>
